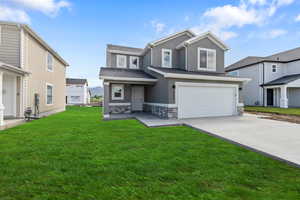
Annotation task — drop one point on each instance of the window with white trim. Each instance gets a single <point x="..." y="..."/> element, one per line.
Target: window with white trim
<point x="206" y="59"/>
<point x="166" y="58"/>
<point x="49" y="97"/>
<point x="75" y="98"/>
<point x="134" y="62"/>
<point x="117" y="92"/>
<point x="49" y="62"/>
<point x="121" y="61"/>
<point x="274" y="68"/>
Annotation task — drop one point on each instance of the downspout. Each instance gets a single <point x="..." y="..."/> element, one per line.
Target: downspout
<point x="263" y="83"/>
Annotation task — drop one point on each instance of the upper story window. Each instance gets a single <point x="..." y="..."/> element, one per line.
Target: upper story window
<point x="206" y="59"/>
<point x="49" y="97"/>
<point x="49" y="62"/>
<point x="121" y="61"/>
<point x="117" y="92"/>
<point x="134" y="62"/>
<point x="166" y="58"/>
<point x="274" y="68"/>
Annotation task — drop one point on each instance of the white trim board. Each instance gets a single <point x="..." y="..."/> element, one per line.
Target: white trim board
<point x="162" y="105"/>
<point x="119" y="104"/>
<point x="113" y="78"/>
<point x="199" y="77"/>
<point x="131" y="53"/>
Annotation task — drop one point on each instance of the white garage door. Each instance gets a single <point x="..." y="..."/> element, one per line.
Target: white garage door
<point x="206" y="100"/>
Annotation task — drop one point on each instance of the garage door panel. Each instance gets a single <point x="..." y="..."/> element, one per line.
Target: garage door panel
<point x="206" y="101"/>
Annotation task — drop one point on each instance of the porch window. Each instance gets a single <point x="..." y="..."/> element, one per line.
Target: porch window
<point x="206" y="59"/>
<point x="134" y="62"/>
<point x="121" y="61"/>
<point x="49" y="62"/>
<point x="117" y="92"/>
<point x="49" y="99"/>
<point x="167" y="58"/>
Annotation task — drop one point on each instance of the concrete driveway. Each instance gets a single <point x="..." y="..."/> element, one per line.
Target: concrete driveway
<point x="277" y="138"/>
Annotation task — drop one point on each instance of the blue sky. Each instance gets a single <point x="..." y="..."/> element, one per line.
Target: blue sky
<point x="79" y="30"/>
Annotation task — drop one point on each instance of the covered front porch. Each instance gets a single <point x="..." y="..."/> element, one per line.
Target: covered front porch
<point x="283" y="92"/>
<point x="11" y="95"/>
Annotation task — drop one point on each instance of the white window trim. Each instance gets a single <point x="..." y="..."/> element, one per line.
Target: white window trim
<point x="138" y="62"/>
<point x="47" y="54"/>
<point x="198" y="59"/>
<point x="162" y="57"/>
<point x="120" y="56"/>
<point x="49" y="84"/>
<point x="122" y="93"/>
<point x="274" y="67"/>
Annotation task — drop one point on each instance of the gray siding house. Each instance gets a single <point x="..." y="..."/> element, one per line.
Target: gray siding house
<point x="275" y="79"/>
<point x="179" y="76"/>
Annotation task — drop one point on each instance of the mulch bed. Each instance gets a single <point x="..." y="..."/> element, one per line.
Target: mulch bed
<point x="278" y="117"/>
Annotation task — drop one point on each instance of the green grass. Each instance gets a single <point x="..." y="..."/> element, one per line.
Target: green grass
<point x="74" y="155"/>
<point x="287" y="111"/>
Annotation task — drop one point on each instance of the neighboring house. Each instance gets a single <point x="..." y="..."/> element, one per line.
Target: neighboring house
<point x="31" y="73"/>
<point x="179" y="76"/>
<point x="78" y="92"/>
<point x="275" y="79"/>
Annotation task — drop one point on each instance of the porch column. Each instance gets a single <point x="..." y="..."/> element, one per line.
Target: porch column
<point x="1" y="100"/>
<point x="283" y="97"/>
<point x="106" y="100"/>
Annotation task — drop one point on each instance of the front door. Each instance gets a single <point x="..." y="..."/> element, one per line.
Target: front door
<point x="270" y="97"/>
<point x="137" y="100"/>
<point x="9" y="95"/>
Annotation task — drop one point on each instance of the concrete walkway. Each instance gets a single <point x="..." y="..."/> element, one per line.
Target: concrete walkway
<point x="276" y="138"/>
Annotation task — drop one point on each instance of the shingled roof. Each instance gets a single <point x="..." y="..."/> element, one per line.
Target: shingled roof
<point x="77" y="81"/>
<point x="282" y="57"/>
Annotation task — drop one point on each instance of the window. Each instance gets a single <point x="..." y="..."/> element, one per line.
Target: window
<point x="166" y="58"/>
<point x="274" y="68"/>
<point x="233" y="73"/>
<point x="134" y="62"/>
<point x="206" y="59"/>
<point x="117" y="92"/>
<point x="75" y="98"/>
<point x="49" y="62"/>
<point x="49" y="97"/>
<point x="121" y="61"/>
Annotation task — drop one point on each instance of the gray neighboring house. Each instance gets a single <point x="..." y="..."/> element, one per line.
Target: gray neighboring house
<point x="275" y="79"/>
<point x="179" y="76"/>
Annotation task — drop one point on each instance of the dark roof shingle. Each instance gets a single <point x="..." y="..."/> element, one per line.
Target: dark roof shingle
<point x="124" y="73"/>
<point x="283" y="80"/>
<point x="76" y="81"/>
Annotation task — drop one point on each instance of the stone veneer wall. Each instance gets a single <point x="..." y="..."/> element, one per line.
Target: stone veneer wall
<point x="119" y="109"/>
<point x="161" y="111"/>
<point x="240" y="109"/>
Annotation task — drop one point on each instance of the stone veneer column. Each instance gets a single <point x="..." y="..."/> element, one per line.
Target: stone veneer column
<point x="284" y="100"/>
<point x="106" y="100"/>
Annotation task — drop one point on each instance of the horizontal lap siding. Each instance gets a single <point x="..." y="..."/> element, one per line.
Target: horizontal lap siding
<point x="10" y="45"/>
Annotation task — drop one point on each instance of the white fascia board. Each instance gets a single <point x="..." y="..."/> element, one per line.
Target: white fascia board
<point x="200" y="77"/>
<point x="208" y="35"/>
<point x="170" y="37"/>
<point x="162" y="105"/>
<point x="125" y="52"/>
<point x="119" y="104"/>
<point x="113" y="78"/>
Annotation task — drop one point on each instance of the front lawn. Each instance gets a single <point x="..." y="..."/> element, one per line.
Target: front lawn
<point x="286" y="111"/>
<point x="73" y="155"/>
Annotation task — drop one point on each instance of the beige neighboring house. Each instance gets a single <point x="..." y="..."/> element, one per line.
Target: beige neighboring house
<point x="29" y="67"/>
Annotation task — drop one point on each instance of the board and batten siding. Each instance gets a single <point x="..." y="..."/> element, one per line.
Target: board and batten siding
<point x="10" y="44"/>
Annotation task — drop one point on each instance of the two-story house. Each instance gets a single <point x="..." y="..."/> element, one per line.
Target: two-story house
<point x="77" y="92"/>
<point x="32" y="74"/>
<point x="275" y="79"/>
<point x="178" y="76"/>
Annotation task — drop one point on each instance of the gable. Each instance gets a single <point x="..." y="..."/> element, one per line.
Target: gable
<point x="186" y="33"/>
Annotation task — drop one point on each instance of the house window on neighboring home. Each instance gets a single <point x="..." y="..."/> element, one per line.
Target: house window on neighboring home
<point x="49" y="62"/>
<point x="206" y="59"/>
<point x="134" y="62"/>
<point x="49" y="97"/>
<point x="121" y="61"/>
<point x="117" y="92"/>
<point x="166" y="58"/>
<point x="75" y="98"/>
<point x="274" y="68"/>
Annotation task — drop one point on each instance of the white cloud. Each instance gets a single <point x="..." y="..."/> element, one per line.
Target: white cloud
<point x="49" y="7"/>
<point x="297" y="19"/>
<point x="16" y="15"/>
<point x="158" y="26"/>
<point x="276" y="33"/>
<point x="222" y="19"/>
